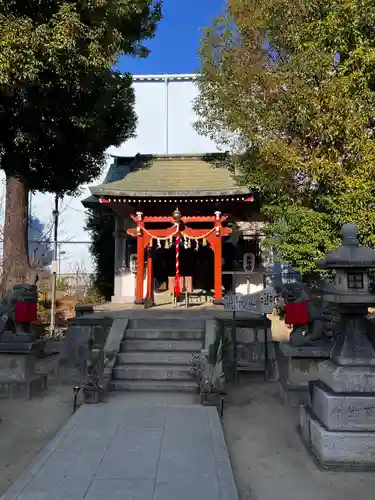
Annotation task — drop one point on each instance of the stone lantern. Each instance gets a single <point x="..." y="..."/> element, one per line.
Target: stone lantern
<point x="350" y="291"/>
<point x="339" y="423"/>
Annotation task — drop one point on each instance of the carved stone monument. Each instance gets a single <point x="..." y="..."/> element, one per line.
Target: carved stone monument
<point x="19" y="347"/>
<point x="339" y="423"/>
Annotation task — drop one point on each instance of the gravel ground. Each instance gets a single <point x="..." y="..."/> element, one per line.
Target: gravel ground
<point x="269" y="459"/>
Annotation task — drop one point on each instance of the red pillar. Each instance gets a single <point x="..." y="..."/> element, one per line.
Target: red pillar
<point x="139" y="298"/>
<point x="150" y="276"/>
<point x="218" y="277"/>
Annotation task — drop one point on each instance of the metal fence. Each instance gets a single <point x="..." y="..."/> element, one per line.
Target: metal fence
<point x="71" y="284"/>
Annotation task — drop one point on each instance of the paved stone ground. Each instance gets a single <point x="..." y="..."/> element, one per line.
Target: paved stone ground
<point x="133" y="447"/>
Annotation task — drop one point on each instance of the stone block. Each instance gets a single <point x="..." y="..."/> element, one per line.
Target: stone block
<point x="121" y="489"/>
<point x="162" y="334"/>
<point x="250" y="334"/>
<point x="20" y="367"/>
<point x="346" y="412"/>
<point x="142" y="455"/>
<point x="115" y="337"/>
<point x="162" y="345"/>
<point x="161" y="358"/>
<point x="84" y="310"/>
<point x="304" y="424"/>
<point x="339" y="448"/>
<point x="75" y="352"/>
<point x="165" y="323"/>
<point x="151" y="372"/>
<point x="309" y="351"/>
<point x="297" y="366"/>
<point x="23" y="389"/>
<point x="48" y="365"/>
<point x="347" y="379"/>
<point x="293" y="396"/>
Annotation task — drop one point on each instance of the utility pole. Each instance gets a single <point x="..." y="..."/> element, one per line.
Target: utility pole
<point x="55" y="214"/>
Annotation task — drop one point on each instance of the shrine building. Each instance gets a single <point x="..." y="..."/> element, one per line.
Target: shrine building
<point x="181" y="223"/>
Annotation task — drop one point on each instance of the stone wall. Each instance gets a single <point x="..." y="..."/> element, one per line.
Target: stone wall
<point x="75" y="351"/>
<point x="252" y="348"/>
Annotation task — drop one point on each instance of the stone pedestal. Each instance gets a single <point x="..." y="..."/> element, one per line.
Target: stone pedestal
<point x="252" y="349"/>
<point x="18" y="376"/>
<point x="76" y="347"/>
<point x="339" y="423"/>
<point x="297" y="367"/>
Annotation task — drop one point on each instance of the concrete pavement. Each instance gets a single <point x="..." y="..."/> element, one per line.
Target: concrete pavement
<point x="133" y="447"/>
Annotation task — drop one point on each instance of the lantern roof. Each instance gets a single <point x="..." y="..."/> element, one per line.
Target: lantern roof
<point x="350" y="255"/>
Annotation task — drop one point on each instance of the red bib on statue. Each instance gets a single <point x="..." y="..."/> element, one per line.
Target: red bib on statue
<point x="25" y="312"/>
<point x="296" y="314"/>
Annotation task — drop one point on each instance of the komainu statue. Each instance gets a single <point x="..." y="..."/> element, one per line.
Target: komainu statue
<point x="313" y="321"/>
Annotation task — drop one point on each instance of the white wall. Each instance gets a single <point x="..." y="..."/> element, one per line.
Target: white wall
<point x="164" y="105"/>
<point x="165" y="126"/>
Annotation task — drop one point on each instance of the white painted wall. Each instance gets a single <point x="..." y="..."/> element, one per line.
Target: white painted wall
<point x="165" y="126"/>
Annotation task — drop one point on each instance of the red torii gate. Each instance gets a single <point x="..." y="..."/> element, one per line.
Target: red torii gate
<point x="179" y="227"/>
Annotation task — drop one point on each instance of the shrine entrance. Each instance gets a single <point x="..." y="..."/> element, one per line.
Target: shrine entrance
<point x="197" y="262"/>
<point x="194" y="241"/>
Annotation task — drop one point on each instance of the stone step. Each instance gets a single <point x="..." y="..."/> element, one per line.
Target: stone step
<point x="154" y="357"/>
<point x="174" y="323"/>
<point x="151" y="372"/>
<point x="155" y="385"/>
<point x="161" y="345"/>
<point x="164" y="334"/>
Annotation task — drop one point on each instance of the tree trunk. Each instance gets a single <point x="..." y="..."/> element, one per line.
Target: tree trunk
<point x="16" y="267"/>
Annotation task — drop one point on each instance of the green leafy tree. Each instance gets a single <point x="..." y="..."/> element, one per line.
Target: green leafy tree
<point x="61" y="104"/>
<point x="289" y="85"/>
<point x="101" y="227"/>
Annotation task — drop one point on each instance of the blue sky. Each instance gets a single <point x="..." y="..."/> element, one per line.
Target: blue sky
<point x="174" y="48"/>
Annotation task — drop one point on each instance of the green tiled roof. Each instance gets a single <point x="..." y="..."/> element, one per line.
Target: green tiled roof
<point x="172" y="176"/>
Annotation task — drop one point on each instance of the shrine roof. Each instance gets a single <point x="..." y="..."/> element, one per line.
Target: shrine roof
<point x="166" y="176"/>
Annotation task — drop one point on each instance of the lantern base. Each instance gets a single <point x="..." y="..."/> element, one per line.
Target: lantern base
<point x="347" y="379"/>
<point x="337" y="449"/>
<point x="342" y="412"/>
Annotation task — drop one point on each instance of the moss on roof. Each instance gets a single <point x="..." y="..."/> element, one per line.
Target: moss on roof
<point x="172" y="176"/>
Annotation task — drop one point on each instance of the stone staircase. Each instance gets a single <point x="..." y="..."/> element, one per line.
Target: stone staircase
<point x="155" y="354"/>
